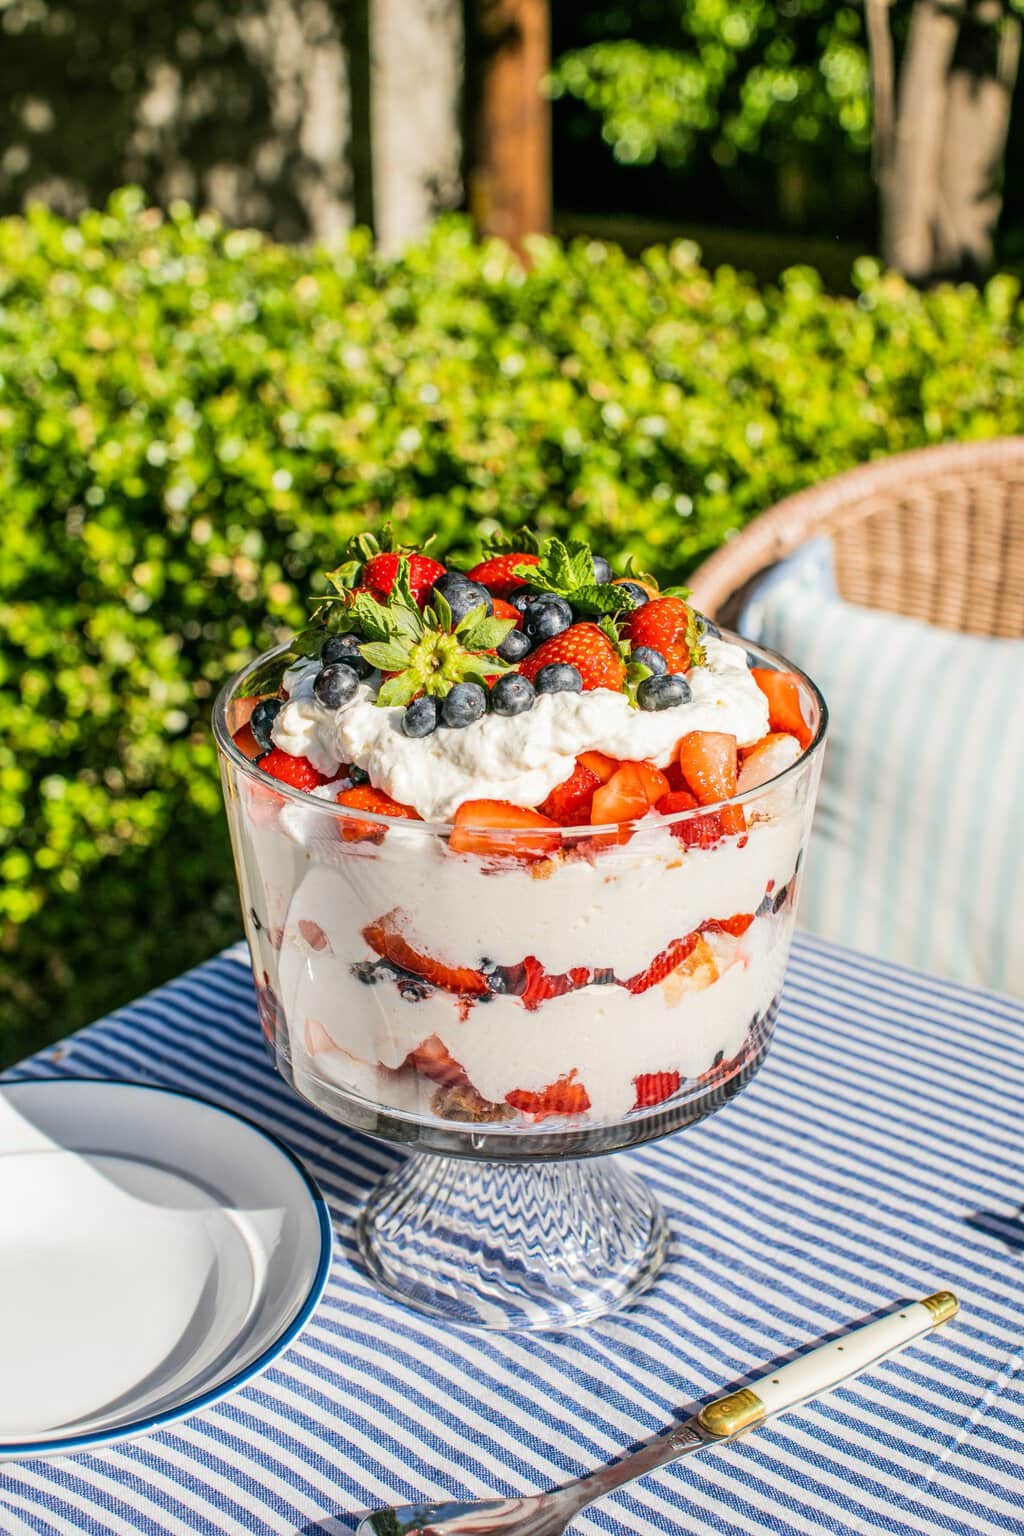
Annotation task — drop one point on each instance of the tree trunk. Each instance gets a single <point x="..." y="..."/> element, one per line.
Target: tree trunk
<point x="938" y="158"/>
<point x="910" y="191"/>
<point x="510" y="178"/>
<point x="977" y="119"/>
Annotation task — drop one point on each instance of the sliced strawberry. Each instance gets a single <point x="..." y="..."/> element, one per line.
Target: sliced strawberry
<point x="296" y="771"/>
<point x="498" y="829"/>
<point x="695" y="831"/>
<point x="629" y="794"/>
<point x="385" y="938"/>
<point x="247" y="744"/>
<point x="565" y="1097"/>
<point x="584" y="647"/>
<point x="542" y="985"/>
<point x="379" y="572"/>
<point x="498" y="573"/>
<point x="503" y="610"/>
<point x="433" y="1059"/>
<point x="663" y="964"/>
<point x="363" y="797"/>
<point x="736" y="925"/>
<point x="569" y="803"/>
<point x="785" y="712"/>
<point x="772" y="755"/>
<point x="654" y="1088"/>
<point x="599" y="764"/>
<point x="666" y="623"/>
<point x="709" y="765"/>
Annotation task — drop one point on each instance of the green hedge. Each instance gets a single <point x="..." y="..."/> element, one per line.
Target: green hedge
<point x="192" y="420"/>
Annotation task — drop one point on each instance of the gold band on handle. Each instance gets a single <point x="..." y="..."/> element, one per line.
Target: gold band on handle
<point x="728" y="1415"/>
<point x="942" y="1306"/>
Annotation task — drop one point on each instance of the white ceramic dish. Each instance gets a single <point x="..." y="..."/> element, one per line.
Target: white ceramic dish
<point x="156" y="1252"/>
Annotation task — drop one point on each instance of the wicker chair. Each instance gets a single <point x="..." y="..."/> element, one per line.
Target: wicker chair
<point x="937" y="534"/>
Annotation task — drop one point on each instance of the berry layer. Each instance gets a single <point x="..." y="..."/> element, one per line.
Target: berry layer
<point x="315" y="897"/>
<point x="520" y="758"/>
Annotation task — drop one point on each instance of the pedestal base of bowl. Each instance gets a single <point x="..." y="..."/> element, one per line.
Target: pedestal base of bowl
<point x="509" y="1246"/>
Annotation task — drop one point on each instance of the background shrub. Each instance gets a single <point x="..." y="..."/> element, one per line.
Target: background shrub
<point x="192" y="420"/>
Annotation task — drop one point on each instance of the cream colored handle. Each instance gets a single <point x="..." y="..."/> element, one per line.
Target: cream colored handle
<point x="826" y="1367"/>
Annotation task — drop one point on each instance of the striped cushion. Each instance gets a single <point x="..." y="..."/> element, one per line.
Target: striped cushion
<point x="918" y="850"/>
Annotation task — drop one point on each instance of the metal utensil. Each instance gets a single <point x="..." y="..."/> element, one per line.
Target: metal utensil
<point x="548" y="1514"/>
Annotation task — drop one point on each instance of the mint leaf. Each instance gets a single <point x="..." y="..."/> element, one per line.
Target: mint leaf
<point x="601" y="599"/>
<point x="487" y="635"/>
<point x="396" y="692"/>
<point x="389" y="656"/>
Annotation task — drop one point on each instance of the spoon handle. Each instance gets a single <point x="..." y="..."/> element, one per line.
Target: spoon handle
<point x="823" y="1368"/>
<point x="811" y="1374"/>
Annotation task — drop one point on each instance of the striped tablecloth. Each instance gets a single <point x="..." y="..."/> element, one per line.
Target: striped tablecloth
<point x="877" y="1156"/>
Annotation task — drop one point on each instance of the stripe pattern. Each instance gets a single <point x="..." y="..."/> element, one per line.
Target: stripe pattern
<point x="918" y="848"/>
<point x="877" y="1156"/>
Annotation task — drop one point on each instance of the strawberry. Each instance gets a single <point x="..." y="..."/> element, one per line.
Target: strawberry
<point x="503" y="610"/>
<point x="496" y="829"/>
<point x="663" y="964"/>
<point x="498" y="573"/>
<point x="598" y="763"/>
<point x="363" y="797"/>
<point x="654" y="1088"/>
<point x="696" y="831"/>
<point x="296" y="771"/>
<point x="785" y="712"/>
<point x="708" y="763"/>
<point x="247" y="744"/>
<point x="772" y="755"/>
<point x="585" y="647"/>
<point x="736" y="925"/>
<point x="569" y="803"/>
<point x="379" y="572"/>
<point x="432" y="1059"/>
<point x="688" y="963"/>
<point x="667" y="624"/>
<point x="565" y="1097"/>
<point x="385" y="938"/>
<point x="542" y="985"/>
<point x="629" y="794"/>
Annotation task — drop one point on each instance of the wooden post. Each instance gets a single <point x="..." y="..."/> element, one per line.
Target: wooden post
<point x="509" y="179"/>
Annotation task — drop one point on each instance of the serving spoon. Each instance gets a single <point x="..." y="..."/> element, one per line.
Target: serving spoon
<point x="726" y="1418"/>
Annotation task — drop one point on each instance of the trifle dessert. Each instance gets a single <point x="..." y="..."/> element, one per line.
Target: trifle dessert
<point x="518" y="846"/>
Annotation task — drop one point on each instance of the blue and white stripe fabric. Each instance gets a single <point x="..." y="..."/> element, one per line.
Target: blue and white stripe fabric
<point x="918" y="846"/>
<point x="879" y="1155"/>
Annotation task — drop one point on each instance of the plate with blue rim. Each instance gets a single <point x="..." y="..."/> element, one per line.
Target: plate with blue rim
<point x="158" y="1253"/>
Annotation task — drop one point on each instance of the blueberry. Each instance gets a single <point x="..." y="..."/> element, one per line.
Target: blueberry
<point x="706" y="628"/>
<point x="420" y="717"/>
<point x="559" y="677"/>
<point x="653" y="660"/>
<point x="335" y="685"/>
<point x="463" y="704"/>
<point x="512" y="694"/>
<point x="546" y="616"/>
<point x="345" y="648"/>
<point x="357" y="775"/>
<point x="461" y="594"/>
<point x="635" y="591"/>
<point x="514" y="646"/>
<point x="522" y="601"/>
<point x="662" y="692"/>
<point x="602" y="570"/>
<point x="262" y="719"/>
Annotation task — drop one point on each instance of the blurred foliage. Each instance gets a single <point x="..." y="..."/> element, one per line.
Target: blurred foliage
<point x="773" y="99"/>
<point x="193" y="420"/>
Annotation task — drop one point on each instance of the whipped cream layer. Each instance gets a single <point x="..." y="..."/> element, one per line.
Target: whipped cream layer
<point x="519" y="758"/>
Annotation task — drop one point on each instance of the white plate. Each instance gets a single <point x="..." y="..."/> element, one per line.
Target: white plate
<point x="156" y="1252"/>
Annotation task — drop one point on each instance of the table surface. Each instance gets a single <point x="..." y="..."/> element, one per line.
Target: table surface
<point x="877" y="1157"/>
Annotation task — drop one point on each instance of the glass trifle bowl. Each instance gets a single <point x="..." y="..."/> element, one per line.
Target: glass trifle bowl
<point x="515" y="1005"/>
